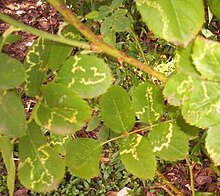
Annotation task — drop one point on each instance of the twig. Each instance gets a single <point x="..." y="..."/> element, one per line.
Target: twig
<point x="101" y="46"/>
<point x="46" y="35"/>
<point x="191" y="176"/>
<point x="168" y="183"/>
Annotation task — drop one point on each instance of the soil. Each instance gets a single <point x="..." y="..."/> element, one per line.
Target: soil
<point x="45" y="17"/>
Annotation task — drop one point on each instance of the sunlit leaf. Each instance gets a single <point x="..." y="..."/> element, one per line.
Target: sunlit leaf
<point x="202" y="106"/>
<point x="62" y="111"/>
<point x="177" y="88"/>
<point x="12" y="72"/>
<point x="206" y="57"/>
<point x="168" y="141"/>
<point x="183" y="61"/>
<point x="87" y="75"/>
<point x="116" y="110"/>
<point x="148" y="102"/>
<point x="82" y="158"/>
<point x="137" y="156"/>
<point x="6" y="149"/>
<point x="175" y="21"/>
<point x="12" y="115"/>
<point x="213" y="143"/>
<point x="40" y="167"/>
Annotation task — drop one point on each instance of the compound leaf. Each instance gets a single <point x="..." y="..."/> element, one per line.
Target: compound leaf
<point x="137" y="156"/>
<point x="40" y="167"/>
<point x="213" y="143"/>
<point x="12" y="72"/>
<point x="87" y="75"/>
<point x="82" y="157"/>
<point x="175" y="21"/>
<point x="168" y="141"/>
<point x="12" y="115"/>
<point x="148" y="102"/>
<point x="62" y="111"/>
<point x="116" y="110"/>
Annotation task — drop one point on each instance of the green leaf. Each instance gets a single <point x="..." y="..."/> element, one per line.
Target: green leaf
<point x="12" y="38"/>
<point x="137" y="156"/>
<point x="121" y="24"/>
<point x="93" y="123"/>
<point x="148" y="102"/>
<point x="12" y="72"/>
<point x="177" y="88"/>
<point x="57" y="55"/>
<point x="206" y="57"/>
<point x="116" y="3"/>
<point x="214" y="6"/>
<point x="168" y="141"/>
<point x="103" y="134"/>
<point x="175" y="21"/>
<point x="70" y="32"/>
<point x="87" y="75"/>
<point x="59" y="142"/>
<point x="116" y="110"/>
<point x="92" y="15"/>
<point x="202" y="106"/>
<point x="190" y="131"/>
<point x="183" y="61"/>
<point x="62" y="111"/>
<point x="212" y="143"/>
<point x="82" y="158"/>
<point x="12" y="115"/>
<point x="40" y="168"/>
<point x="36" y="66"/>
<point x="6" y="148"/>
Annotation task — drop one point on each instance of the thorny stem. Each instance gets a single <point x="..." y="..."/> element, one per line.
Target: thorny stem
<point x="191" y="176"/>
<point x="101" y="46"/>
<point x="44" y="34"/>
<point x="169" y="184"/>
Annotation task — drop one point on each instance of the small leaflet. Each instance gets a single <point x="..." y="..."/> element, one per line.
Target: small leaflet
<point x="137" y="156"/>
<point x="148" y="103"/>
<point x="87" y="75"/>
<point x="62" y="111"/>
<point x="168" y="141"/>
<point x="212" y="143"/>
<point x="176" y="21"/>
<point x="116" y="110"/>
<point x="82" y="157"/>
<point x="12" y="115"/>
<point x="37" y="170"/>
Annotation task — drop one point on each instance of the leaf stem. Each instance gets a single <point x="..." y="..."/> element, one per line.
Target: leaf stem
<point x="99" y="45"/>
<point x="169" y="184"/>
<point x="191" y="176"/>
<point x="44" y="34"/>
<point x="138" y="45"/>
